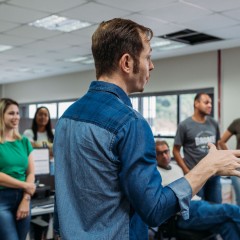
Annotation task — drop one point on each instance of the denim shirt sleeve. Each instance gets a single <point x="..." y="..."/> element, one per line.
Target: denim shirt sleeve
<point x="183" y="191"/>
<point x="140" y="179"/>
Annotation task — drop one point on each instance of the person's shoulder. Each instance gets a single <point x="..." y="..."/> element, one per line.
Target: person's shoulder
<point x="236" y="121"/>
<point x="28" y="132"/>
<point x="24" y="139"/>
<point x="188" y="119"/>
<point x="212" y="120"/>
<point x="185" y="122"/>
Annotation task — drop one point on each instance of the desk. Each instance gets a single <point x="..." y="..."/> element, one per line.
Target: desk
<point x="42" y="210"/>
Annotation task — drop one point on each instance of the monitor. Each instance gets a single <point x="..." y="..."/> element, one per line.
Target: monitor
<point x="41" y="161"/>
<point x="43" y="175"/>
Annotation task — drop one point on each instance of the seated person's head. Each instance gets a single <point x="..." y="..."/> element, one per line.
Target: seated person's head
<point x="163" y="154"/>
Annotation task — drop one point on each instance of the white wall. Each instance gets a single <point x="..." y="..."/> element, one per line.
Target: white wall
<point x="179" y="73"/>
<point x="46" y="89"/>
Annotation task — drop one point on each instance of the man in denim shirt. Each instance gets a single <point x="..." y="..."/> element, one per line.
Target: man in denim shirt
<point x="107" y="184"/>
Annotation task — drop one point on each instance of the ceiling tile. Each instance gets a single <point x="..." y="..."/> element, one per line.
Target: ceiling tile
<point x="213" y="21"/>
<point x="18" y="14"/>
<point x="226" y="33"/>
<point x="13" y="41"/>
<point x="90" y="13"/>
<point x="235" y="14"/>
<point x="33" y="32"/>
<point x="4" y="26"/>
<point x="158" y="26"/>
<point x="137" y="5"/>
<point x="216" y="5"/>
<point x="178" y="12"/>
<point x="50" y="6"/>
<point x="67" y="39"/>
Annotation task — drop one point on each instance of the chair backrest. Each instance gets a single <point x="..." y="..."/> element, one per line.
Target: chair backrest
<point x="169" y="230"/>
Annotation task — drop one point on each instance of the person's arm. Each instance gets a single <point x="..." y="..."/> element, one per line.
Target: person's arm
<point x="8" y="181"/>
<point x="30" y="173"/>
<point x="140" y="180"/>
<point x="24" y="206"/>
<point x="225" y="137"/>
<point x="179" y="159"/>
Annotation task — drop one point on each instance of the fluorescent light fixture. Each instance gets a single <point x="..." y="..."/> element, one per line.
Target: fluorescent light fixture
<point x="24" y="69"/>
<point x="88" y="59"/>
<point x="5" y="47"/>
<point x="58" y="23"/>
<point x="76" y="59"/>
<point x="31" y="70"/>
<point x="161" y="44"/>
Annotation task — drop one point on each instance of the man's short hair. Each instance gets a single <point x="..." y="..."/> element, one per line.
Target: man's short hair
<point x="198" y="97"/>
<point x="114" y="38"/>
<point x="161" y="143"/>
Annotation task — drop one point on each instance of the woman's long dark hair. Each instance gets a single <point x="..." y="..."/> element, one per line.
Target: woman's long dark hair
<point x="48" y="126"/>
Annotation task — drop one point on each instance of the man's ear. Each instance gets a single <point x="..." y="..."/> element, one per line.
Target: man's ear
<point x="126" y="63"/>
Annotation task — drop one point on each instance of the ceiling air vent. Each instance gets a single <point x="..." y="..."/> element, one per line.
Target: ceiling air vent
<point x="190" y="37"/>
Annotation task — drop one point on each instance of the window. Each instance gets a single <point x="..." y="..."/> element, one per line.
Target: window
<point x="62" y="107"/>
<point x="186" y="105"/>
<point x="52" y="107"/>
<point x="56" y="109"/>
<point x="164" y="111"/>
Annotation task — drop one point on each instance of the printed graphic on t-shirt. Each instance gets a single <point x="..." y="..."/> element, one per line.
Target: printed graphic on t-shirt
<point x="203" y="138"/>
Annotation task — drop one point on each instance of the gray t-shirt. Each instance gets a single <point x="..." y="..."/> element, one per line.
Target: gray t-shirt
<point x="234" y="128"/>
<point x="194" y="136"/>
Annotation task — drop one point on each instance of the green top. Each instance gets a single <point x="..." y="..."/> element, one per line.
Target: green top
<point x="14" y="158"/>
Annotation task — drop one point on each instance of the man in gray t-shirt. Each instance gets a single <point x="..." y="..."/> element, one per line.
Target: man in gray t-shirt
<point x="193" y="134"/>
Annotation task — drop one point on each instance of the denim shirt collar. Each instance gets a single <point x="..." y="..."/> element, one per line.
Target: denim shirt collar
<point x="112" y="88"/>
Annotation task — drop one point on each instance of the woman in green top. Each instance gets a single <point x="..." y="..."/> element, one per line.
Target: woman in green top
<point x="16" y="174"/>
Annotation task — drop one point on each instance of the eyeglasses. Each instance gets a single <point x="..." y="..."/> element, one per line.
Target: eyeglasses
<point x="162" y="152"/>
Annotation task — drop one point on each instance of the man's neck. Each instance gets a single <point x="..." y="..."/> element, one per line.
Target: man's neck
<point x="199" y="118"/>
<point x="116" y="79"/>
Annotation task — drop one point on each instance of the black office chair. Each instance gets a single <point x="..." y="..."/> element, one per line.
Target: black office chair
<point x="169" y="230"/>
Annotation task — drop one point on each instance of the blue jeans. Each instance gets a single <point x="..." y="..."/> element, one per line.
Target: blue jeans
<point x="212" y="190"/>
<point x="10" y="228"/>
<point x="223" y="219"/>
<point x="236" y="186"/>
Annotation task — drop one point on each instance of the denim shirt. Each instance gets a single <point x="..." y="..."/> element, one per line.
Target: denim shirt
<point x="107" y="183"/>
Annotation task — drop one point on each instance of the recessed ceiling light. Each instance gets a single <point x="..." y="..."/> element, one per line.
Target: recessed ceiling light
<point x="5" y="47"/>
<point x="58" y="23"/>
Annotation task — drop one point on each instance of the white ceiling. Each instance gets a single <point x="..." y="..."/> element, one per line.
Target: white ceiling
<point x="44" y="51"/>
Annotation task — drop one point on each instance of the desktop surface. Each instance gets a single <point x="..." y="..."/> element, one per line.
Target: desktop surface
<point x="42" y="206"/>
<point x="42" y="202"/>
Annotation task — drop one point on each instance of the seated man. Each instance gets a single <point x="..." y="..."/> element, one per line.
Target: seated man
<point x="223" y="219"/>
